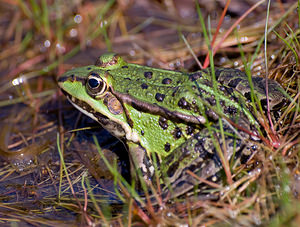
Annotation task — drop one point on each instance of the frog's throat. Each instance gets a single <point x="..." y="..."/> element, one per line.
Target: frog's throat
<point x="158" y="110"/>
<point x="116" y="127"/>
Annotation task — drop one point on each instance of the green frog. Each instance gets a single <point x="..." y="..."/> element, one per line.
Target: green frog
<point x="172" y="123"/>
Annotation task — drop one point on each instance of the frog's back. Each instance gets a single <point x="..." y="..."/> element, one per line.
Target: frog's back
<point x="163" y="88"/>
<point x="238" y="80"/>
<point x="184" y="93"/>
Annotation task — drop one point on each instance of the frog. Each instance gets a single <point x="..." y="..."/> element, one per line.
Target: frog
<point x="173" y="123"/>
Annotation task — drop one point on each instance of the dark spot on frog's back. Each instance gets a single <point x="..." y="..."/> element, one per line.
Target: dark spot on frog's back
<point x="230" y="110"/>
<point x="229" y="90"/>
<point x="177" y="133"/>
<point x="257" y="80"/>
<point x="144" y="86"/>
<point x="218" y="73"/>
<point x="166" y="81"/>
<point x="148" y="75"/>
<point x="160" y="97"/>
<point x="163" y="123"/>
<point x="222" y="88"/>
<point x="167" y="147"/>
<point x="183" y="104"/>
<point x="248" y="96"/>
<point x="263" y="103"/>
<point x="190" y="130"/>
<point x="234" y="82"/>
<point x="211" y="100"/>
<point x="195" y="76"/>
<point x="124" y="67"/>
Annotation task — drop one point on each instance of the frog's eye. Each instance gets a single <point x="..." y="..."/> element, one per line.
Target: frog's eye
<point x="95" y="85"/>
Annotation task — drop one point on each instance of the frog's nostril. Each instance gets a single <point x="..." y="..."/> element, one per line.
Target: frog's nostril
<point x="72" y="77"/>
<point x="62" y="79"/>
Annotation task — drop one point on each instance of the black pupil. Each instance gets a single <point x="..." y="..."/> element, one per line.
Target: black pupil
<point x="93" y="83"/>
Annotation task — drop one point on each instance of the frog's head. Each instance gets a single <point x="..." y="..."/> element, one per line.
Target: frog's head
<point x="89" y="90"/>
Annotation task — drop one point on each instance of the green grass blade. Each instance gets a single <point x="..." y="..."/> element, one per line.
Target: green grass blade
<point x="288" y="45"/>
<point x="45" y="19"/>
<point x="254" y="55"/>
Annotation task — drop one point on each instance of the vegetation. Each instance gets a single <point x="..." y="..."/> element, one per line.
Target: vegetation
<point x="53" y="171"/>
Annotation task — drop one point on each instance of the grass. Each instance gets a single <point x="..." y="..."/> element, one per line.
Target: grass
<point x="71" y="182"/>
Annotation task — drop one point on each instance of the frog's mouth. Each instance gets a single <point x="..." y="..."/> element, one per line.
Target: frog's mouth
<point x="85" y="108"/>
<point x="113" y="127"/>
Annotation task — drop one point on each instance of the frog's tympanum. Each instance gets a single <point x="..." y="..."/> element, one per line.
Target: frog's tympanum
<point x="178" y="122"/>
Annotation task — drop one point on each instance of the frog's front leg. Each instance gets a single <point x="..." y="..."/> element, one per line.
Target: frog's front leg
<point x="200" y="156"/>
<point x="140" y="162"/>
